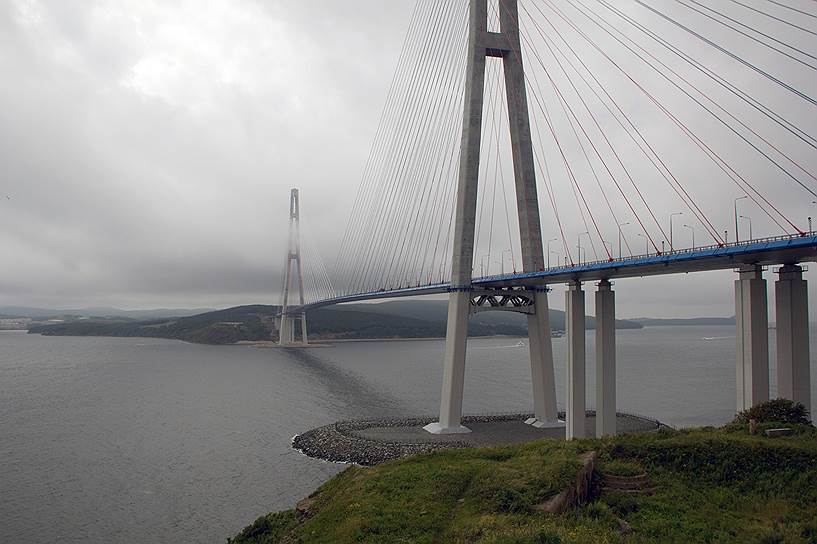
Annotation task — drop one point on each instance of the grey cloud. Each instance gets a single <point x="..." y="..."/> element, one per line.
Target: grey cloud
<point x="149" y="147"/>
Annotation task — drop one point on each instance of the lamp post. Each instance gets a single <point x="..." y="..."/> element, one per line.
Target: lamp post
<point x="558" y="256"/>
<point x="619" y="237"/>
<point x="749" y="219"/>
<point x="737" y="232"/>
<point x="692" y="229"/>
<point x="549" y="241"/>
<point x="504" y="251"/>
<point x="482" y="267"/>
<point x="671" y="247"/>
<point x="646" y="244"/>
<point x="579" y="244"/>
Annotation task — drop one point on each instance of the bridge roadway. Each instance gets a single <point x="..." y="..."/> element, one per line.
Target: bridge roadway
<point x="762" y="252"/>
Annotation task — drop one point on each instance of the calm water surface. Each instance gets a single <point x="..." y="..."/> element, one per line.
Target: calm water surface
<point x="142" y="440"/>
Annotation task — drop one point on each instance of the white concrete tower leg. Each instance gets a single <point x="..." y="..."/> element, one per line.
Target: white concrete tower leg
<point x="791" y="303"/>
<point x="290" y="338"/>
<point x="456" y="339"/>
<point x="527" y="205"/>
<point x="283" y="332"/>
<point x="463" y="252"/>
<point x="300" y="297"/>
<point x="296" y="216"/>
<point x="574" y="323"/>
<point x="752" y="327"/>
<point x="605" y="360"/>
<point x="545" y="413"/>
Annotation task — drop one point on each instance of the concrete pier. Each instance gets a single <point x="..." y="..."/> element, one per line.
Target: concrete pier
<point x="575" y="392"/>
<point x="752" y="327"/>
<point x="605" y="359"/>
<point x="791" y="316"/>
<point x="541" y="365"/>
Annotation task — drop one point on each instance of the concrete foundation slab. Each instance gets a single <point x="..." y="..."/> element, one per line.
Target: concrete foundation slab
<point x="437" y="428"/>
<point x="369" y="442"/>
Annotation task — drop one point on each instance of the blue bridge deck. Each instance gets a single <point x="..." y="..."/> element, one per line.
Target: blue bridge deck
<point x="764" y="252"/>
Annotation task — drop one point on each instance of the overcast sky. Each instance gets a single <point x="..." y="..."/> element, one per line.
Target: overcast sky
<point x="147" y="148"/>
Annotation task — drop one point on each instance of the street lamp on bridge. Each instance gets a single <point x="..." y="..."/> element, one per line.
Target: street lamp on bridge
<point x="619" y="237"/>
<point x="646" y="243"/>
<point x="749" y="219"/>
<point x="673" y="214"/>
<point x="737" y="232"/>
<point x="504" y="251"/>
<point x="549" y="252"/>
<point x="692" y="229"/>
<point x="579" y="244"/>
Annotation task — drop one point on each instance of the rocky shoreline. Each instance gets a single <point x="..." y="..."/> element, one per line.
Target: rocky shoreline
<point x="337" y="443"/>
<point x="341" y="442"/>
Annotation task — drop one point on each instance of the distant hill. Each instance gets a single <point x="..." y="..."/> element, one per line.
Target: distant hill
<point x="395" y="319"/>
<point x="652" y="322"/>
<point x="42" y="313"/>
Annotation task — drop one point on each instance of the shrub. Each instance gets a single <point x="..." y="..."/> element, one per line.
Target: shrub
<point x="510" y="500"/>
<point x="773" y="537"/>
<point x="267" y="529"/>
<point x="598" y="510"/>
<point x="777" y="410"/>
<point x="543" y="536"/>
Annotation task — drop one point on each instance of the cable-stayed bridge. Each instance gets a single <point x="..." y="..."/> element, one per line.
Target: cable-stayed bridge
<point x="637" y="121"/>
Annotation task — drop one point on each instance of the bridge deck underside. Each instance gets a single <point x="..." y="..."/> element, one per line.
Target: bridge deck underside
<point x="764" y="253"/>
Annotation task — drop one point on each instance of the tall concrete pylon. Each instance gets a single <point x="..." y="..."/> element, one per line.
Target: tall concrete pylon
<point x="286" y="328"/>
<point x="505" y="45"/>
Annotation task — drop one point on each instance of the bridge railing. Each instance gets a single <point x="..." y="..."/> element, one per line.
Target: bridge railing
<point x="433" y="287"/>
<point x="711" y="247"/>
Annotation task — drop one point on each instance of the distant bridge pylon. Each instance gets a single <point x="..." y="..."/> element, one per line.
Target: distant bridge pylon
<point x="291" y="313"/>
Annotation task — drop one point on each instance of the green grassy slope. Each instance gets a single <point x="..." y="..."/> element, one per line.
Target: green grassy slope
<point x="712" y="485"/>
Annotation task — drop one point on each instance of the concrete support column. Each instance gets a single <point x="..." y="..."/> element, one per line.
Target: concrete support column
<point x="605" y="360"/>
<point x="286" y="334"/>
<point x="752" y="322"/>
<point x="574" y="323"/>
<point x="545" y="413"/>
<point x="456" y="339"/>
<point x="303" y="329"/>
<point x="791" y="304"/>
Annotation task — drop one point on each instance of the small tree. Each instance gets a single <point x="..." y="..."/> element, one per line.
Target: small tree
<point x="777" y="410"/>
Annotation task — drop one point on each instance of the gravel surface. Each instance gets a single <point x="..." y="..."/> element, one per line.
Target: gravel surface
<point x="374" y="441"/>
